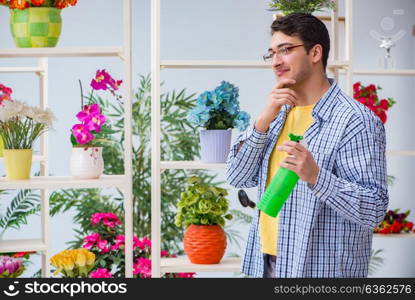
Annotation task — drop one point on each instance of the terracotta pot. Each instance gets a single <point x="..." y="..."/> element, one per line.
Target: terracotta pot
<point x="204" y="244"/>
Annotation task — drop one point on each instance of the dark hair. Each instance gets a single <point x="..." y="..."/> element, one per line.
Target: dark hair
<point x="308" y="28"/>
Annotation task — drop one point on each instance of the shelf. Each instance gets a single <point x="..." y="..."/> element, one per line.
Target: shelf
<point x="395" y="235"/>
<point x="182" y="264"/>
<point x="403" y="72"/>
<point x="62" y="52"/>
<point x="225" y="64"/>
<point x="401" y="153"/>
<point x="22" y="245"/>
<point x="20" y="69"/>
<point x="64" y="182"/>
<point x="190" y="165"/>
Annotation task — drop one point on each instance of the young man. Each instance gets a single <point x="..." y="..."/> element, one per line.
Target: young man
<point x="325" y="228"/>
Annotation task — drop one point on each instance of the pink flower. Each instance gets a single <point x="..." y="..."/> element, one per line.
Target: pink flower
<point x="164" y="253"/>
<point x="102" y="78"/>
<point x="119" y="241"/>
<point x="142" y="267"/>
<point x="186" y="275"/>
<point x="81" y="134"/>
<point x="108" y="219"/>
<point x="88" y="112"/>
<point x="103" y="246"/>
<point x="146" y="242"/>
<point x="95" y="122"/>
<point x="100" y="273"/>
<point x="91" y="240"/>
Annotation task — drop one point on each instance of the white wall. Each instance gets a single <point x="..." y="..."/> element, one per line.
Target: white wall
<point x="216" y="29"/>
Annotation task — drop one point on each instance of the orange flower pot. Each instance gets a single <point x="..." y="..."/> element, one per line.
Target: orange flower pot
<point x="205" y="244"/>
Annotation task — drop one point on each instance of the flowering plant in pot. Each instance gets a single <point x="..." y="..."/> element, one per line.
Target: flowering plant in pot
<point x="218" y="111"/>
<point x="73" y="263"/>
<point x="287" y="7"/>
<point x="107" y="242"/>
<point x="10" y="267"/>
<point x="202" y="210"/>
<point x="368" y="96"/>
<point x="36" y="23"/>
<point x="395" y="222"/>
<point x="20" y="126"/>
<point x="89" y="136"/>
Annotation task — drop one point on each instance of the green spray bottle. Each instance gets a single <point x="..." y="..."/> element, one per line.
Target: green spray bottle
<point x="280" y="187"/>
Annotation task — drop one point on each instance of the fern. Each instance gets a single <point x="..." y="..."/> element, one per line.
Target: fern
<point x="23" y="205"/>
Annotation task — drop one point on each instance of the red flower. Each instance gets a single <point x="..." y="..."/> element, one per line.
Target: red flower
<point x="384" y="104"/>
<point x="18" y="4"/>
<point x="37" y="2"/>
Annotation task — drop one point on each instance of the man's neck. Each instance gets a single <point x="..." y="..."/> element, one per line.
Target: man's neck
<point x="311" y="91"/>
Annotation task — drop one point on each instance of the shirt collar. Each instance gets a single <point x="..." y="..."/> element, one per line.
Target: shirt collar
<point x="322" y="108"/>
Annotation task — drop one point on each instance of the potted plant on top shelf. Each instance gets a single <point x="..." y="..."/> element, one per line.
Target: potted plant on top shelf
<point x="36" y="23"/>
<point x="20" y="126"/>
<point x="202" y="210"/>
<point x="218" y="112"/>
<point x="91" y="134"/>
<point x="286" y="7"/>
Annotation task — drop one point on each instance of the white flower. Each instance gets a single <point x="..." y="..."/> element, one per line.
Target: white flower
<point x="11" y="109"/>
<point x="44" y="116"/>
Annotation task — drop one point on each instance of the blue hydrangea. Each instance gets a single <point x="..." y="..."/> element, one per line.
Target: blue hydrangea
<point x="211" y="105"/>
<point x="242" y="120"/>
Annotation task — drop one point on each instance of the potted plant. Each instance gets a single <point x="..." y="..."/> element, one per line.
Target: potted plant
<point x="89" y="136"/>
<point x="73" y="263"/>
<point x="36" y="23"/>
<point x="367" y="95"/>
<point x="10" y="267"/>
<point x="287" y="7"/>
<point x="5" y="95"/>
<point x="218" y="112"/>
<point x="202" y="210"/>
<point x="20" y="126"/>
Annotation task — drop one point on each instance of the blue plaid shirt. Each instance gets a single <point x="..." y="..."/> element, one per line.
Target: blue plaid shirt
<point x="325" y="230"/>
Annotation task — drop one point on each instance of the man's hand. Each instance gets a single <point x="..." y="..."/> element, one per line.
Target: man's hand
<point x="300" y="160"/>
<point x="279" y="96"/>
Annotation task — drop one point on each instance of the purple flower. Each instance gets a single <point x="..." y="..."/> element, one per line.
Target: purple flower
<point x="10" y="267"/>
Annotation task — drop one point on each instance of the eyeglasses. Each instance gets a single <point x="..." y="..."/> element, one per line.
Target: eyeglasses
<point x="280" y="52"/>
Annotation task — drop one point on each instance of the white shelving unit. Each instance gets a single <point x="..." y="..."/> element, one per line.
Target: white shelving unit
<point x="335" y="66"/>
<point x="46" y="182"/>
<point x="160" y="266"/>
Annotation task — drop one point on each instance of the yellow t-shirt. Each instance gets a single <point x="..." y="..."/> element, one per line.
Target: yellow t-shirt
<point x="299" y="119"/>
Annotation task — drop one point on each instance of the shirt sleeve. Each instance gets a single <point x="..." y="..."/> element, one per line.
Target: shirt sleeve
<point x="245" y="158"/>
<point x="358" y="188"/>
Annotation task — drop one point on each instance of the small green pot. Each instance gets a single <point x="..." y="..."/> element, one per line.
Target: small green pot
<point x="35" y="27"/>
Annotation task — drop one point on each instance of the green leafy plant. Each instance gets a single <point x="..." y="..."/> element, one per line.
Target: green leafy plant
<point x="178" y="142"/>
<point x="202" y="204"/>
<point x="376" y="261"/>
<point x="24" y="204"/>
<point x="301" y="6"/>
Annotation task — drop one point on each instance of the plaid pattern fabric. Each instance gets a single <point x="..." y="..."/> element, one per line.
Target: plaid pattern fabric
<point x="35" y="26"/>
<point x="325" y="230"/>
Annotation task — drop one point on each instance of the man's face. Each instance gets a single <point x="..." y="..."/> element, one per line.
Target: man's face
<point x="295" y="64"/>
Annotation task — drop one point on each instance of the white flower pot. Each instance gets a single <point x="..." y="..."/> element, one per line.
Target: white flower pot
<point x="215" y="145"/>
<point x="86" y="163"/>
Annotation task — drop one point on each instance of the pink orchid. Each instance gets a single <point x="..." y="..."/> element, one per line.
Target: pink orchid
<point x="87" y="112"/>
<point x="102" y="78"/>
<point x="95" y="122"/>
<point x="186" y="275"/>
<point x="100" y="273"/>
<point x="81" y="134"/>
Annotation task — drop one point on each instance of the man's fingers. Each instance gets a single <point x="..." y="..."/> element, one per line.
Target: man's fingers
<point x="285" y="82"/>
<point x="296" y="145"/>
